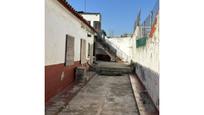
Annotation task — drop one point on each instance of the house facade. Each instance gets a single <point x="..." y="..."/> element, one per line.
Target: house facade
<point x="69" y="40"/>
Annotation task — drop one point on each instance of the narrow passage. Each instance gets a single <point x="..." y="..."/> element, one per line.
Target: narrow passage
<point x="103" y="95"/>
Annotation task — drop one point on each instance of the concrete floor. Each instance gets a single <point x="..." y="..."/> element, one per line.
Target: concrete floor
<point x="103" y="95"/>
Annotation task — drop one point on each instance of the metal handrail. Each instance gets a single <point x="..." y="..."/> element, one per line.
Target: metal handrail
<point x="119" y="53"/>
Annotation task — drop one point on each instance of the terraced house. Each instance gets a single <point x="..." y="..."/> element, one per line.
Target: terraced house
<point x="69" y="40"/>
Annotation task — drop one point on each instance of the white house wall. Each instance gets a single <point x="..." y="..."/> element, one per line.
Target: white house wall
<point x="148" y="55"/>
<point x="59" y="22"/>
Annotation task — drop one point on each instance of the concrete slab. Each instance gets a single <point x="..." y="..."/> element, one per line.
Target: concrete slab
<point x="112" y="68"/>
<point x="103" y="95"/>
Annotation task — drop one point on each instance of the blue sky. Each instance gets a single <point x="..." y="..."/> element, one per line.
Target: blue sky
<point x="118" y="16"/>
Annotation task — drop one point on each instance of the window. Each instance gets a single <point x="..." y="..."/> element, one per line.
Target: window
<point x="88" y="35"/>
<point x="69" y="50"/>
<point x="83" y="51"/>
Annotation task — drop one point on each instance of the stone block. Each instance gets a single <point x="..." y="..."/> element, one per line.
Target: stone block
<point x="80" y="74"/>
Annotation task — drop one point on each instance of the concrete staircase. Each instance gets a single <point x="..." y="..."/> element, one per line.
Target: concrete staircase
<point x="112" y="68"/>
<point x="115" y="67"/>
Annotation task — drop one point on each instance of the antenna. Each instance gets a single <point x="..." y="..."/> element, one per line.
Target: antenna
<point x="85" y="5"/>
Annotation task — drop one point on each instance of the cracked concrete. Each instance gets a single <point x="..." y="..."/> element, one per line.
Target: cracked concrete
<point x="103" y="95"/>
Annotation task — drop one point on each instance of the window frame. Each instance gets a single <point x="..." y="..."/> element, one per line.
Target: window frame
<point x="68" y="53"/>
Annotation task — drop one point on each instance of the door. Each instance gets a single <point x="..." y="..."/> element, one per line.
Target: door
<point x="83" y="51"/>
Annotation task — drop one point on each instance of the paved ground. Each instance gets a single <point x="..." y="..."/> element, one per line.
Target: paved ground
<point x="103" y="95"/>
<point x="58" y="102"/>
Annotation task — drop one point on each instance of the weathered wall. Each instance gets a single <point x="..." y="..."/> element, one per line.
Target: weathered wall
<point x="59" y="22"/>
<point x="150" y="80"/>
<point x="147" y="55"/>
<point x="122" y="46"/>
<point x="146" y="59"/>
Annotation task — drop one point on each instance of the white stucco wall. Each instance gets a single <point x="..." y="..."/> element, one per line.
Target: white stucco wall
<point x="148" y="55"/>
<point x="59" y="22"/>
<point x="147" y="63"/>
<point x="92" y="18"/>
<point x="123" y="46"/>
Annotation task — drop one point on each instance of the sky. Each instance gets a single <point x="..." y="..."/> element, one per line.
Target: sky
<point x="118" y="16"/>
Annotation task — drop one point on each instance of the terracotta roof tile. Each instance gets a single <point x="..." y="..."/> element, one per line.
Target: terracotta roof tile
<point x="74" y="12"/>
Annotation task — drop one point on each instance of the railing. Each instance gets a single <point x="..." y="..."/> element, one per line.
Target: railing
<point x="155" y="11"/>
<point x="148" y="22"/>
<point x="119" y="53"/>
<point x="107" y="47"/>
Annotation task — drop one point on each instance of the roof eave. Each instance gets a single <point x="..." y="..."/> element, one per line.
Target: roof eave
<point x="75" y="13"/>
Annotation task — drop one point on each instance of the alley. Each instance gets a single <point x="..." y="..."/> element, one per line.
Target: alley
<point x="103" y="95"/>
<point x="89" y="72"/>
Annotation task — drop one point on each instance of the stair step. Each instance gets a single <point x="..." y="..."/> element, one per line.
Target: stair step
<point x="112" y="68"/>
<point x="112" y="71"/>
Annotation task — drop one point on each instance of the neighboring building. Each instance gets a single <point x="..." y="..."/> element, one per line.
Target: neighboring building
<point x="69" y="40"/>
<point x="94" y="19"/>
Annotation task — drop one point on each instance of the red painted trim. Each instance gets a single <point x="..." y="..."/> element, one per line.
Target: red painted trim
<point x="74" y="12"/>
<point x="53" y="82"/>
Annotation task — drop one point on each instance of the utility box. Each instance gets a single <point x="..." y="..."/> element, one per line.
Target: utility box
<point x="80" y="73"/>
